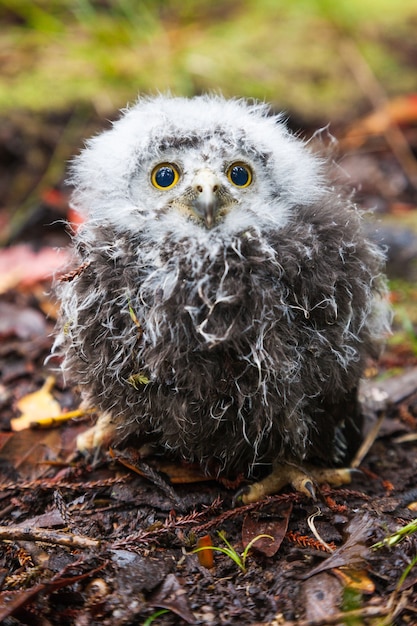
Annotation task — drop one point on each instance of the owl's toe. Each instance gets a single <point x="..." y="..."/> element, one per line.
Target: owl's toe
<point x="98" y="436"/>
<point x="303" y="479"/>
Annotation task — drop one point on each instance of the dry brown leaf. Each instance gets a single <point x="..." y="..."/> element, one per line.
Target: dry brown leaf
<point x="401" y="111"/>
<point x="353" y="552"/>
<point x="173" y="596"/>
<point x="24" y="323"/>
<point x="276" y="527"/>
<point x="322" y="596"/>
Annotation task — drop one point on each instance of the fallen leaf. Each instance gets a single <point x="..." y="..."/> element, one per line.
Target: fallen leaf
<point x="322" y="596"/>
<point x="25" y="454"/>
<point x="51" y="519"/>
<point x="355" y="579"/>
<point x="21" y="266"/>
<point x="401" y="111"/>
<point x="37" y="405"/>
<point x="255" y="525"/>
<point x="171" y="595"/>
<point x="353" y="551"/>
<point x="23" y="323"/>
<point x="181" y="473"/>
<point x="205" y="557"/>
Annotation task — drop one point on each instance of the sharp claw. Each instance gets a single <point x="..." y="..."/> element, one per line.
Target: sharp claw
<point x="238" y="498"/>
<point x="303" y="479"/>
<point x="309" y="489"/>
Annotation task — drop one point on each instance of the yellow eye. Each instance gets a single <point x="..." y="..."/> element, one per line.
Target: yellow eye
<point x="239" y="174"/>
<point x="165" y="176"/>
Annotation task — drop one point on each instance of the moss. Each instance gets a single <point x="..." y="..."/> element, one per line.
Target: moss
<point x="61" y="52"/>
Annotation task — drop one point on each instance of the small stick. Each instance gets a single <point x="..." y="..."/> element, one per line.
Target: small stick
<point x="16" y="533"/>
<point x="368" y="442"/>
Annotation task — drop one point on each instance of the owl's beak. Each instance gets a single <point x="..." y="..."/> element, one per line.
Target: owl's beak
<point x="207" y="199"/>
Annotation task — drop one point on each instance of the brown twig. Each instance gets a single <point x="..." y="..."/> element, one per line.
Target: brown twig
<point x="17" y="533"/>
<point x="241" y="510"/>
<point x="368" y="442"/>
<point x="44" y="484"/>
<point x="69" y="276"/>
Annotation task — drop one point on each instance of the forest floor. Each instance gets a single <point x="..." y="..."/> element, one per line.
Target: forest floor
<point x="108" y="540"/>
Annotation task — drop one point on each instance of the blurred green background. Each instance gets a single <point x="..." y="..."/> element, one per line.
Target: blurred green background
<point x="55" y="53"/>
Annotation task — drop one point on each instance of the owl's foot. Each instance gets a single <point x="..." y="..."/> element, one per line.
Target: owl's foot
<point x="102" y="434"/>
<point x="303" y="479"/>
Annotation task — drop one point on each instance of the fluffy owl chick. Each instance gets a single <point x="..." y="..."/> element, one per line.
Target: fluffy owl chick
<point x="226" y="298"/>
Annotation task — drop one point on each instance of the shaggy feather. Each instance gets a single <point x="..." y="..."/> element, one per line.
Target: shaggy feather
<point x="253" y="334"/>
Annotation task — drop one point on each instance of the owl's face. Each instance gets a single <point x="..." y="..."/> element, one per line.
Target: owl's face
<point x="202" y="167"/>
<point x="206" y="184"/>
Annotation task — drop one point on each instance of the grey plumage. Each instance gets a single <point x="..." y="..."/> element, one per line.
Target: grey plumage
<point x="227" y="313"/>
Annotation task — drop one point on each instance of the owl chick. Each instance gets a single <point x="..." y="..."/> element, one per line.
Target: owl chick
<point x="226" y="299"/>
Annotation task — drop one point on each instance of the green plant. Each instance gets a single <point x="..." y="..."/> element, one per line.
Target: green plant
<point x="154" y="616"/>
<point x="407" y="571"/>
<point x="229" y="550"/>
<point x="352" y="601"/>
<point x="392" y="540"/>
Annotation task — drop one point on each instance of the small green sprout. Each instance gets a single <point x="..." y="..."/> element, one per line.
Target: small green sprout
<point x="239" y="559"/>
<point x="352" y="601"/>
<point x="400" y="533"/>
<point x="406" y="572"/>
<point x="134" y="318"/>
<point x="133" y="315"/>
<point x="154" y="616"/>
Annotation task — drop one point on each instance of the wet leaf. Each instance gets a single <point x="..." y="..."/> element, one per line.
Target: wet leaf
<point x="173" y="596"/>
<point x="37" y="405"/>
<point x="276" y="527"/>
<point x="26" y="323"/>
<point x="353" y="551"/>
<point x="205" y="557"/>
<point x="322" y="596"/>
<point x="25" y="454"/>
<point x="357" y="580"/>
<point x="21" y="266"/>
<point x="181" y="473"/>
<point x="51" y="519"/>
